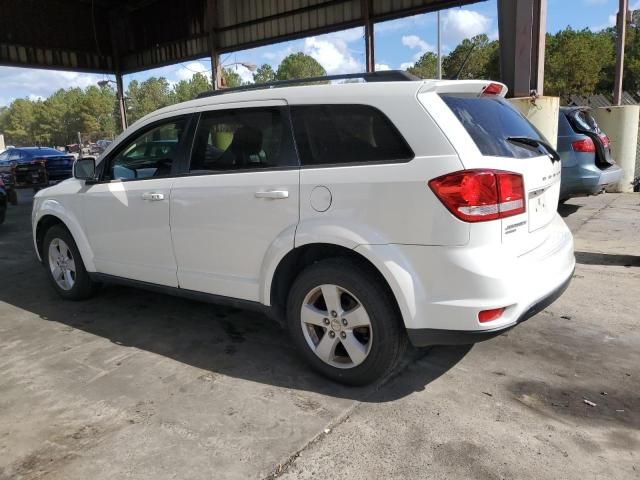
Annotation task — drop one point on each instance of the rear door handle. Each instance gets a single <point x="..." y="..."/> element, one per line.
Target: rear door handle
<point x="276" y="194"/>
<point x="153" y="196"/>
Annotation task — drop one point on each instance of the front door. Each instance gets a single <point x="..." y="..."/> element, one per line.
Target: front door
<point x="239" y="198"/>
<point x="126" y="214"/>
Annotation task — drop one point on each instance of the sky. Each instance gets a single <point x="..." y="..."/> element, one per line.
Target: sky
<point x="398" y="44"/>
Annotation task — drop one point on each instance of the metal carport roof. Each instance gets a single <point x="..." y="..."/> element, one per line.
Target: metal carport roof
<point x="123" y="36"/>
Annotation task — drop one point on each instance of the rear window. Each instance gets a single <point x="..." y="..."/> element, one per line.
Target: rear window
<point x="339" y="134"/>
<point x="582" y="121"/>
<point x="490" y="122"/>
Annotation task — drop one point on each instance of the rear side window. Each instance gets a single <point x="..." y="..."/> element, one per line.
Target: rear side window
<point x="342" y="134"/>
<point x="491" y="121"/>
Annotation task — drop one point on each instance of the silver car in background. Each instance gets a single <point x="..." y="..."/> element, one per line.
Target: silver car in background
<point x="587" y="164"/>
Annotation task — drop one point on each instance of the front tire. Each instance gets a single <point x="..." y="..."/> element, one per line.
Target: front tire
<point x="64" y="265"/>
<point x="344" y="322"/>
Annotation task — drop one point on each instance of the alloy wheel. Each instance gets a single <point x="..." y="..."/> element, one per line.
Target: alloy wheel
<point x="336" y="326"/>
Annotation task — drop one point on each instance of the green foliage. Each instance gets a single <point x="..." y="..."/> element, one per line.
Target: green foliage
<point x="146" y="97"/>
<point x="18" y="122"/>
<point x="231" y="78"/>
<point x="299" y="65"/>
<point x="189" y="89"/>
<point x="264" y="74"/>
<point x="426" y="66"/>
<point x="579" y="62"/>
<point x="483" y="62"/>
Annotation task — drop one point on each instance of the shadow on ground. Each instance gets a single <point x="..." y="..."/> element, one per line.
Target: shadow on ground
<point x="593" y="258"/>
<point x="219" y="339"/>
<point x="567" y="209"/>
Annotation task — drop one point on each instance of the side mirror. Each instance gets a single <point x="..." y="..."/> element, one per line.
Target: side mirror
<point x="84" y="168"/>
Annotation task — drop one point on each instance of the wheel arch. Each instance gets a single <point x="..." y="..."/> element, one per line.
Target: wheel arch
<point x="301" y="257"/>
<point x="50" y="215"/>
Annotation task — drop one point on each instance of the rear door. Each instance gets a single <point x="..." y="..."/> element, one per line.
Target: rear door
<point x="238" y="199"/>
<point x="489" y="133"/>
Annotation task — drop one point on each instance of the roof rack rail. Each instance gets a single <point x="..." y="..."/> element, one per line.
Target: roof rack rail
<point x="382" y="76"/>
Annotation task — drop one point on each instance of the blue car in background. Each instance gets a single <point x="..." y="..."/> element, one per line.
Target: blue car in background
<point x="59" y="166"/>
<point x="587" y="164"/>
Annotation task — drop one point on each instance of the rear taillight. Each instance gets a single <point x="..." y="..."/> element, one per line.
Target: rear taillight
<point x="481" y="195"/>
<point x="492" y="89"/>
<point x="584" y="146"/>
<point x="605" y="140"/>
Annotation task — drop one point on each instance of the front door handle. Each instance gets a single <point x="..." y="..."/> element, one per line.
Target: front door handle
<point x="153" y="196"/>
<point x="276" y="194"/>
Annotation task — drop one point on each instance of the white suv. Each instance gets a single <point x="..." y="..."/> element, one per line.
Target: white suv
<point x="358" y="214"/>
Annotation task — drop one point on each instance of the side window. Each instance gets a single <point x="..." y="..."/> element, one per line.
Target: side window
<point x="150" y="154"/>
<point x="335" y="134"/>
<point x="4" y="156"/>
<point x="15" y="156"/>
<point x="240" y="139"/>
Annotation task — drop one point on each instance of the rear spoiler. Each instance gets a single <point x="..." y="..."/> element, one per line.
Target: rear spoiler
<point x="470" y="88"/>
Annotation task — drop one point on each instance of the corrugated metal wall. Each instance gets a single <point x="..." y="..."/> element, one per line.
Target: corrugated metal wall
<point x="141" y="34"/>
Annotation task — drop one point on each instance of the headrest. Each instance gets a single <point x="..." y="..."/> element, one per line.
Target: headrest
<point x="248" y="140"/>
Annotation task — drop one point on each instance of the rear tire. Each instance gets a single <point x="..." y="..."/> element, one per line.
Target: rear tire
<point x="64" y="265"/>
<point x="344" y="322"/>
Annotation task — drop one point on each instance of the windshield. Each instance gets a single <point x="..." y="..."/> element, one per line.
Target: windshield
<point x="492" y="122"/>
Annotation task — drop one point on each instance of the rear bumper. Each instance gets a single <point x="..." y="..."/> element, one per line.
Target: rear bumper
<point x="441" y="290"/>
<point x="424" y="337"/>
<point x="588" y="179"/>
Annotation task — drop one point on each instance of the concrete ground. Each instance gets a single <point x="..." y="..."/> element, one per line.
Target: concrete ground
<point x="136" y="385"/>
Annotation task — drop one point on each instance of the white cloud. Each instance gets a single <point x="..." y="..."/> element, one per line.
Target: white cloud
<point x="458" y="24"/>
<point x="276" y="55"/>
<point x="33" y="83"/>
<point x="415" y="42"/>
<point x="333" y="53"/>
<point x="186" y="71"/>
<point x="381" y="67"/>
<point x="245" y="74"/>
<point x="405" y="65"/>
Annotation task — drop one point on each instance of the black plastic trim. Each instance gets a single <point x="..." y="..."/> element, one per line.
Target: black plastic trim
<point x="424" y="337"/>
<point x="184" y="293"/>
<point x="380" y="76"/>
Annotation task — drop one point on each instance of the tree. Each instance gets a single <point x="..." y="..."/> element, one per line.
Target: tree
<point x="299" y="65"/>
<point x="189" y="89"/>
<point x="483" y="59"/>
<point x="264" y="74"/>
<point x="231" y="78"/>
<point x="20" y="122"/>
<point x="426" y="66"/>
<point x="578" y="62"/>
<point x="146" y="97"/>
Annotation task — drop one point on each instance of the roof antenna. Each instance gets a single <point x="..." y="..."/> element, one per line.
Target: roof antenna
<point x="464" y="64"/>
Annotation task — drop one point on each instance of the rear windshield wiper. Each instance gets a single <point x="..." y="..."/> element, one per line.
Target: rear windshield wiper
<point x="537" y="143"/>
